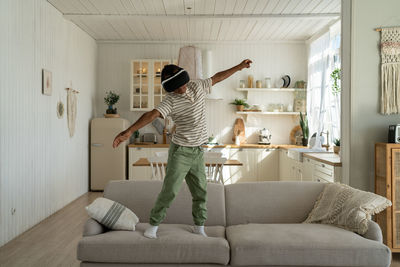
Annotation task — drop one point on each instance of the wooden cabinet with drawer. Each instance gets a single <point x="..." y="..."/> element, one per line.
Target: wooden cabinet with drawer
<point x="387" y="184"/>
<point x="323" y="172"/>
<point x="319" y="171"/>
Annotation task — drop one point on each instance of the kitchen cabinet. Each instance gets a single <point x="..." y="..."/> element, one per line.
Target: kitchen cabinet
<point x="308" y="169"/>
<point x="138" y="173"/>
<point x="245" y="173"/>
<point x="146" y="89"/>
<point x="154" y="150"/>
<point x="267" y="164"/>
<point x="289" y="169"/>
<point x="322" y="172"/>
<point x="284" y="162"/>
<point x="259" y="164"/>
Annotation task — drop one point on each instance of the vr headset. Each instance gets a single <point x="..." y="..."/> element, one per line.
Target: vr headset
<point x="174" y="82"/>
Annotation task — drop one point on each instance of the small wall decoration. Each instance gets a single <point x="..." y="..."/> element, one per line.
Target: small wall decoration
<point x="390" y="68"/>
<point x="47" y="83"/>
<point x="60" y="109"/>
<point x="71" y="110"/>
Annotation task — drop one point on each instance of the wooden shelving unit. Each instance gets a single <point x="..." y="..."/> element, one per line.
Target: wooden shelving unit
<point x="387" y="184"/>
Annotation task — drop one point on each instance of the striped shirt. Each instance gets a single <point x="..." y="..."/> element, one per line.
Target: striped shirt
<point x="188" y="111"/>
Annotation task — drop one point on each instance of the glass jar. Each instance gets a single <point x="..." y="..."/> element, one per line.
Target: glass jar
<point x="250" y="81"/>
<point x="242" y="84"/>
<point x="258" y="84"/>
<point x="267" y="82"/>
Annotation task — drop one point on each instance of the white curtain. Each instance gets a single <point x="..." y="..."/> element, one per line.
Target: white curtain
<point x="323" y="105"/>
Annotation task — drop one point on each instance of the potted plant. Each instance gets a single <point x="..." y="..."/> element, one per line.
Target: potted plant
<point x="304" y="128"/>
<point x="336" y="147"/>
<point x="136" y="136"/>
<point x="111" y="99"/>
<point x="335" y="76"/>
<point x="240" y="104"/>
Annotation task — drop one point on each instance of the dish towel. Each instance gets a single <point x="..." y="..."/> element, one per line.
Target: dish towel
<point x="71" y="111"/>
<point x="390" y="71"/>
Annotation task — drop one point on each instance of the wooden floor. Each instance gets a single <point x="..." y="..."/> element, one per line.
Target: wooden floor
<point x="53" y="241"/>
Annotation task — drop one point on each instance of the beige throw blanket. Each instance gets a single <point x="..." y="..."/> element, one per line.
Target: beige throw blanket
<point x="346" y="207"/>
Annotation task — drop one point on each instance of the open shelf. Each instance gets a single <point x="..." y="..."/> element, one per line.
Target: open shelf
<point x="271" y="89"/>
<point x="267" y="113"/>
<point x="214" y="99"/>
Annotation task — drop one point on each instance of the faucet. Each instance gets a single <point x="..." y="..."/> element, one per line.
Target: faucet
<point x="327" y="139"/>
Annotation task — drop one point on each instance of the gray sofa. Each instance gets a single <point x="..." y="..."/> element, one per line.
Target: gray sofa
<point x="249" y="224"/>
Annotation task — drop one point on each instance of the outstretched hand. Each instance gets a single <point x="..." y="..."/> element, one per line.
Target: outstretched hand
<point x="121" y="137"/>
<point x="245" y="64"/>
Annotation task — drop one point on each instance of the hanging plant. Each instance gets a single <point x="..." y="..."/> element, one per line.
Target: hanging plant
<point x="335" y="75"/>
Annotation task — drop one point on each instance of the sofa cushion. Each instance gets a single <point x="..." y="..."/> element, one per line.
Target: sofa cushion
<point x="175" y="244"/>
<point x="112" y="214"/>
<point x="140" y="197"/>
<point x="270" y="202"/>
<point x="347" y="207"/>
<point x="303" y="244"/>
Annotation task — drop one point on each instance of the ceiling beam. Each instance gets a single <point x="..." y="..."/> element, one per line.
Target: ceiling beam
<point x="201" y="17"/>
<point x="187" y="42"/>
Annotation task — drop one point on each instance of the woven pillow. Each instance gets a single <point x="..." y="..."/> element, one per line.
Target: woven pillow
<point x="112" y="215"/>
<point x="346" y="207"/>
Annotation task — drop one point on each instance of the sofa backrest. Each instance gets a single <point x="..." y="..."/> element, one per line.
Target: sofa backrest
<point x="140" y="196"/>
<point x="270" y="202"/>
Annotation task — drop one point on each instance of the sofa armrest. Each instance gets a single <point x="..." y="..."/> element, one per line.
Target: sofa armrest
<point x="92" y="227"/>
<point x="374" y="232"/>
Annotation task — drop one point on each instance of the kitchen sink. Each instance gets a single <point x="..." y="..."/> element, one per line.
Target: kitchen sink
<point x="297" y="153"/>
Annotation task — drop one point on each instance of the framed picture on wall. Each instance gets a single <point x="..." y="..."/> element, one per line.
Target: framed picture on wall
<point x="47" y="83"/>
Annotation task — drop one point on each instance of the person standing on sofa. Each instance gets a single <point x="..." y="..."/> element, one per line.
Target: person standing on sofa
<point x="185" y="103"/>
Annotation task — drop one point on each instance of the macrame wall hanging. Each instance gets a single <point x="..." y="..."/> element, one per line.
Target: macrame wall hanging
<point x="390" y="70"/>
<point x="71" y="110"/>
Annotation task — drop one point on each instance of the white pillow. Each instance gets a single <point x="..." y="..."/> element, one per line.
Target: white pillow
<point x="346" y="207"/>
<point x="112" y="214"/>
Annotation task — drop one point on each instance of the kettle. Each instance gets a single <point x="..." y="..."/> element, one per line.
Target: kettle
<point x="264" y="137"/>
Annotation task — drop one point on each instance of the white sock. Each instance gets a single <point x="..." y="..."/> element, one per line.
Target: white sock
<point x="199" y="230"/>
<point x="151" y="232"/>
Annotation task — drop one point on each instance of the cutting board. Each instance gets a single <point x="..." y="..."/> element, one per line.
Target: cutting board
<point x="239" y="130"/>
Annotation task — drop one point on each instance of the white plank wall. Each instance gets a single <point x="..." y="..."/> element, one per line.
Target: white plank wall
<point x="41" y="168"/>
<point x="270" y="60"/>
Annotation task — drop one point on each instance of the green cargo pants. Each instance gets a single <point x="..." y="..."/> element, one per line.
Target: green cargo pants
<point x="183" y="163"/>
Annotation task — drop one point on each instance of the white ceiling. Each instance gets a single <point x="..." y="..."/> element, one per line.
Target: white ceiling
<point x="206" y="21"/>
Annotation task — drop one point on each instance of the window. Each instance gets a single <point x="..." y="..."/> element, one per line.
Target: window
<point x="323" y="99"/>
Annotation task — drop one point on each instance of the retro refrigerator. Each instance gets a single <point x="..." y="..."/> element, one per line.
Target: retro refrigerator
<point x="107" y="163"/>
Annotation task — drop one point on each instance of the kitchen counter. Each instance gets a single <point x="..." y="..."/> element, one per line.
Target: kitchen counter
<point x="329" y="158"/>
<point x="220" y="146"/>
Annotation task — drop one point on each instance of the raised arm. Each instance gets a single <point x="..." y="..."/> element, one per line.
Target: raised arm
<point x="222" y="75"/>
<point x="145" y="119"/>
